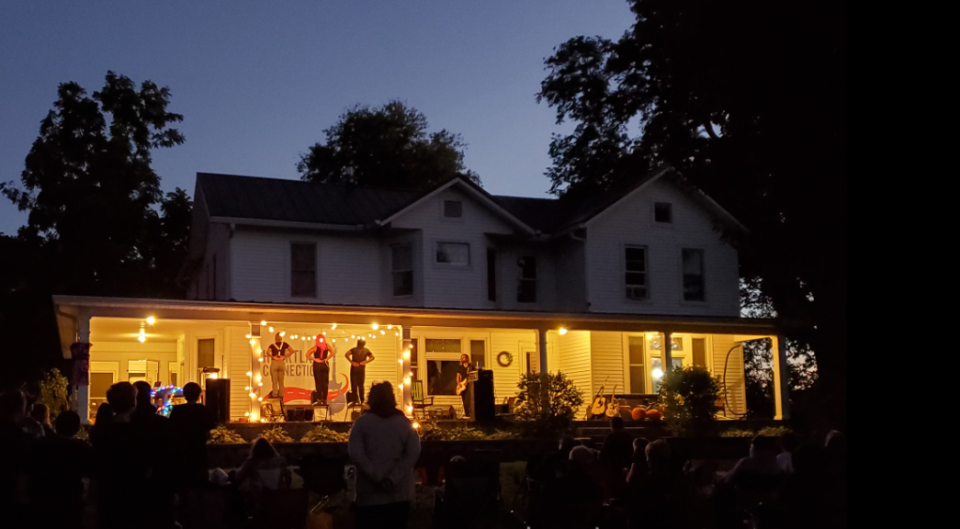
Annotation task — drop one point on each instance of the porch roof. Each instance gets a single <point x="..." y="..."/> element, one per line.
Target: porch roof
<point x="406" y="316"/>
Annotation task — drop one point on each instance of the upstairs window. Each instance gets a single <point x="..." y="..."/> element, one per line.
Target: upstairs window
<point x="453" y="253"/>
<point x="527" y="280"/>
<point x="453" y="209"/>
<point x="402" y="268"/>
<point x="663" y="212"/>
<point x="635" y="277"/>
<point x="303" y="270"/>
<point x="693" y="282"/>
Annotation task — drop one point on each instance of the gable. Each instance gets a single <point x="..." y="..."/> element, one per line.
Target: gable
<point x="476" y="215"/>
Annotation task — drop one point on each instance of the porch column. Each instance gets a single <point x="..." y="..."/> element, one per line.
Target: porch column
<point x="406" y="371"/>
<point x="254" y="377"/>
<point x="781" y="378"/>
<point x="667" y="358"/>
<point x="83" y="391"/>
<point x="543" y="349"/>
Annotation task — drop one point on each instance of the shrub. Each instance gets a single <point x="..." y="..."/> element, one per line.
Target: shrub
<point x="738" y="433"/>
<point x="775" y="431"/>
<point x="221" y="435"/>
<point x="53" y="392"/>
<point x="539" y="417"/>
<point x="689" y="396"/>
<point x="277" y="435"/>
<point x="322" y="434"/>
<point x="430" y="430"/>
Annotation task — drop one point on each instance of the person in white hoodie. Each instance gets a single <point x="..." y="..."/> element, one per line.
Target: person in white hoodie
<point x="384" y="446"/>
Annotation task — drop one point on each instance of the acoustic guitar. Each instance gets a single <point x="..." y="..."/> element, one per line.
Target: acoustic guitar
<point x="599" y="403"/>
<point x="613" y="408"/>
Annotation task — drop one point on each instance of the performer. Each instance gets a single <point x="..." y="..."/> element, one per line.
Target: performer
<point x="321" y="354"/>
<point x="463" y="382"/>
<point x="359" y="357"/>
<point x="278" y="352"/>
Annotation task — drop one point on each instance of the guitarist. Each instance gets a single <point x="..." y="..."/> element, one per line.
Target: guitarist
<point x="463" y="373"/>
<point x="320" y="355"/>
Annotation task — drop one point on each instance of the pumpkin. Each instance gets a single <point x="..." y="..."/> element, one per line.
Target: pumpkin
<point x="654" y="415"/>
<point x="638" y="413"/>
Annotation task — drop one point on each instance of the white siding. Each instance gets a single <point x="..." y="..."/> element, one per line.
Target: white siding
<point x="571" y="268"/>
<point x="348" y="268"/>
<point x="508" y="276"/>
<point x="446" y="285"/>
<point x="574" y="362"/>
<point x="505" y="379"/>
<point x="735" y="378"/>
<point x="631" y="223"/>
<point x="607" y="359"/>
<point x="239" y="362"/>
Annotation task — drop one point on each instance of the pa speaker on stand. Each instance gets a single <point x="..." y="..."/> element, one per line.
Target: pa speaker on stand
<point x="218" y="399"/>
<point x="483" y="401"/>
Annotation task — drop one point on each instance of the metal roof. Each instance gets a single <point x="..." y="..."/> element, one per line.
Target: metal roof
<point x="272" y="199"/>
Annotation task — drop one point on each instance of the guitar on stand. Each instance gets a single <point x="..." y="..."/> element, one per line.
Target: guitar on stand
<point x="599" y="406"/>
<point x="613" y="408"/>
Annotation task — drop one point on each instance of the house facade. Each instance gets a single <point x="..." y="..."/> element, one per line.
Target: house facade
<point x="594" y="290"/>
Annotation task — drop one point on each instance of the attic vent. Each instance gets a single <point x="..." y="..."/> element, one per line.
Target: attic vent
<point x="453" y="209"/>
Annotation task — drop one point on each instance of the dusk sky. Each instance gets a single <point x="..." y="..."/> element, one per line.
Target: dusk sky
<point x="257" y="82"/>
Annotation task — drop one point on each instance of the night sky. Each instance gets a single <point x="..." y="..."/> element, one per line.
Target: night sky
<point x="257" y="82"/>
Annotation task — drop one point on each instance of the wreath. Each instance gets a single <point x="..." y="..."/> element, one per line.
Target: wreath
<point x="504" y="359"/>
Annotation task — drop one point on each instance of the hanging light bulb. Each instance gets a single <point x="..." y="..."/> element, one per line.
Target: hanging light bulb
<point x="260" y="360"/>
<point x="151" y="320"/>
<point x="263" y="323"/>
<point x="249" y="373"/>
<point x="390" y="327"/>
<point x="334" y="327"/>
<point x="401" y="362"/>
<point x="406" y="354"/>
<point x="248" y="337"/>
<point x="283" y="334"/>
<point x="383" y="333"/>
<point x="141" y="338"/>
<point x="271" y="329"/>
<point x="375" y="326"/>
<point x="253" y="395"/>
<point x="247" y="388"/>
<point x="562" y="331"/>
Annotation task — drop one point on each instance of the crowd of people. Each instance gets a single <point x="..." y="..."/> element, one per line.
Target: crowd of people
<point x="136" y="464"/>
<point x="788" y="484"/>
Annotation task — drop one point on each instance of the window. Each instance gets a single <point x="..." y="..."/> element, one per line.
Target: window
<point x="453" y="253"/>
<point x="453" y="209"/>
<point x="699" y="347"/>
<point x="656" y="369"/>
<point x="663" y="212"/>
<point x="205" y="353"/>
<point x="478" y="352"/>
<point x="303" y="270"/>
<point x="402" y="267"/>
<point x="693" y="285"/>
<point x="443" y="361"/>
<point x="491" y="274"/>
<point x="638" y="375"/>
<point x="636" y="272"/>
<point x="527" y="284"/>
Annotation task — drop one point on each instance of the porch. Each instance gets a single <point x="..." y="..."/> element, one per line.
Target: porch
<point x="174" y="342"/>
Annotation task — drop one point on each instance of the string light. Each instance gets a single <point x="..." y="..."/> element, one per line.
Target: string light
<point x="253" y="395"/>
<point x="383" y="333"/>
<point x="141" y="338"/>
<point x="334" y="327"/>
<point x="151" y="320"/>
<point x="249" y="373"/>
<point x="248" y="337"/>
<point x="562" y="331"/>
<point x="271" y="329"/>
<point x="390" y="327"/>
<point x="263" y="323"/>
<point x="375" y="326"/>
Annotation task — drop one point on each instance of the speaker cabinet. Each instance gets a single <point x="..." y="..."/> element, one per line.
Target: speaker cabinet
<point x="218" y="399"/>
<point x="483" y="401"/>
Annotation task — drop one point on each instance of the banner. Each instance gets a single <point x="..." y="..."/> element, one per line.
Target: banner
<point x="299" y="384"/>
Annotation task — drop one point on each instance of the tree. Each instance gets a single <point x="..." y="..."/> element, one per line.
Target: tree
<point x="93" y="197"/>
<point x="385" y="147"/>
<point x="748" y="101"/>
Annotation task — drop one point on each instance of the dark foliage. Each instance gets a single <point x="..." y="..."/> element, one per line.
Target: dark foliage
<point x="748" y="101"/>
<point x="98" y="221"/>
<point x="385" y="147"/>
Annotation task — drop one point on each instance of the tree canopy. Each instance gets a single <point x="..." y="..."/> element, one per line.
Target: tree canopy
<point x="389" y="147"/>
<point x="748" y="101"/>
<point x="97" y="216"/>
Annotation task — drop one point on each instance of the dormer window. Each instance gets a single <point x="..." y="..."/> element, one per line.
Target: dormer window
<point x="452" y="209"/>
<point x="663" y="212"/>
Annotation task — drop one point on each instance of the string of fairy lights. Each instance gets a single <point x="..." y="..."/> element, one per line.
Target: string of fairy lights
<point x="334" y="334"/>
